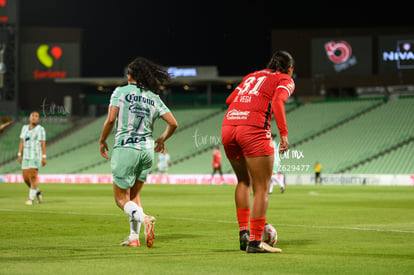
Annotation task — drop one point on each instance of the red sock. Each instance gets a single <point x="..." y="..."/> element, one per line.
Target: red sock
<point x="256" y="229"/>
<point x="243" y="218"/>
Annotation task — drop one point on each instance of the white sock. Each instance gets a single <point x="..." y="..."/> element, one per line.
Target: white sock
<point x="32" y="194"/>
<point x="134" y="226"/>
<point x="281" y="183"/>
<point x="134" y="211"/>
<point x="271" y="184"/>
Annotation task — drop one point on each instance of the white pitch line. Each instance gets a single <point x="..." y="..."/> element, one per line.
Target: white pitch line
<point x="210" y="221"/>
<point x="349" y="228"/>
<point x="60" y="212"/>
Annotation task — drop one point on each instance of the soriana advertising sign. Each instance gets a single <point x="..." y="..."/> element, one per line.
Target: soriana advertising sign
<point x="42" y="61"/>
<point x="342" y="56"/>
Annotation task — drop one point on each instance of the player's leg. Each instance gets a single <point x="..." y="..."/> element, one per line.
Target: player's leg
<point x="31" y="174"/>
<point x="167" y="177"/>
<point x="221" y="174"/>
<point x="242" y="198"/>
<point x="234" y="154"/>
<point x="272" y="183"/>
<point x="26" y="178"/>
<point x="260" y="170"/>
<point x="282" y="185"/>
<point x="134" y="195"/>
<point x="212" y="175"/>
<point x="141" y="172"/>
<point x="122" y="199"/>
<point x="25" y="173"/>
<point x="149" y="221"/>
<point x="123" y="163"/>
<point x="34" y="183"/>
<point x="276" y="166"/>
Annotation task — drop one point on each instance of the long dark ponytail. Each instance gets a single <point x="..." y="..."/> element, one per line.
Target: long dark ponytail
<point x="147" y="74"/>
<point x="281" y="61"/>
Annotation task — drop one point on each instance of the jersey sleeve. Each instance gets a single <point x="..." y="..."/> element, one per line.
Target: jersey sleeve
<point x="284" y="89"/>
<point x="42" y="134"/>
<point x="22" y="131"/>
<point x="162" y="108"/>
<point x="115" y="98"/>
<point x="286" y="84"/>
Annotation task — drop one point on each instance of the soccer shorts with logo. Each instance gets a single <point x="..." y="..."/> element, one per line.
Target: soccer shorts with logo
<point x="31" y="163"/>
<point x="129" y="164"/>
<point x="246" y="141"/>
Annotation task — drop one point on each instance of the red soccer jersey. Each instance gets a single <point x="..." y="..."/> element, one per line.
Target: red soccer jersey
<point x="258" y="96"/>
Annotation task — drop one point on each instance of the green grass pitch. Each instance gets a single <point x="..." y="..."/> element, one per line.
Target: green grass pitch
<point x="321" y="229"/>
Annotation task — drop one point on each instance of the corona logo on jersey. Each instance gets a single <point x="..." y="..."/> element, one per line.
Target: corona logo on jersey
<point x="340" y="54"/>
<point x="48" y="58"/>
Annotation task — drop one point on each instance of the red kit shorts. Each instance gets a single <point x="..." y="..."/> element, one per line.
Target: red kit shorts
<point x="246" y="141"/>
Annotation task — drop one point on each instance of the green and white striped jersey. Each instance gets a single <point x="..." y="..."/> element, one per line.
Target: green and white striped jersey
<point x="138" y="109"/>
<point x="32" y="137"/>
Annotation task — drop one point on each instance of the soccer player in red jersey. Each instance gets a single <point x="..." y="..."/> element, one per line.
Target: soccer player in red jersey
<point x="248" y="142"/>
<point x="216" y="161"/>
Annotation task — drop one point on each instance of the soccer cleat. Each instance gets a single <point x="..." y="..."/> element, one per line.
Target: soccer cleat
<point x="132" y="240"/>
<point x="29" y="202"/>
<point x="262" y="248"/>
<point x="39" y="196"/>
<point x="244" y="236"/>
<point x="149" y="222"/>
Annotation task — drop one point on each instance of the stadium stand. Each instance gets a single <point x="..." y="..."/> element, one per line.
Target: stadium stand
<point x="355" y="140"/>
<point x="345" y="136"/>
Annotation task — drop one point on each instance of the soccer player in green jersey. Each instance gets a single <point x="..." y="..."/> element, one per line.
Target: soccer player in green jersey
<point x="32" y="154"/>
<point x="135" y="107"/>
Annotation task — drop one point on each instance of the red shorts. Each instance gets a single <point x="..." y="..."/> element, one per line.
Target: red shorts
<point x="246" y="141"/>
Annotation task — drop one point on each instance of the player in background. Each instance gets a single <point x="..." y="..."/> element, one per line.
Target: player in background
<point x="163" y="163"/>
<point x="32" y="154"/>
<point x="135" y="107"/>
<point x="276" y="164"/>
<point x="318" y="170"/>
<point x="216" y="162"/>
<point x="248" y="143"/>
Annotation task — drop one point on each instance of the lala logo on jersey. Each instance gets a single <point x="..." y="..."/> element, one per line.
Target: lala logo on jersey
<point x="340" y="54"/>
<point x="48" y="60"/>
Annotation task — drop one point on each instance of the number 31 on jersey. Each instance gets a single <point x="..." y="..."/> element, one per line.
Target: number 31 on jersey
<point x="249" y="88"/>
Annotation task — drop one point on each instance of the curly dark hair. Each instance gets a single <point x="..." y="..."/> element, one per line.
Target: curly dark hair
<point x="147" y="74"/>
<point x="281" y="61"/>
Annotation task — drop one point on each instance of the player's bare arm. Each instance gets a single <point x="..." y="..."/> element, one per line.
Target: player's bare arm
<point x="19" y="154"/>
<point x="43" y="145"/>
<point x="169" y="131"/>
<point x="107" y="128"/>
